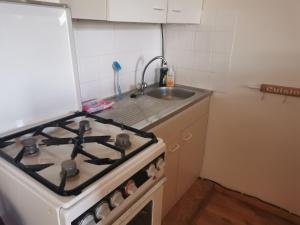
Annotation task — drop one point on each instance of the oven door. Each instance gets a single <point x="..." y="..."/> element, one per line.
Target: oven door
<point x="147" y="210"/>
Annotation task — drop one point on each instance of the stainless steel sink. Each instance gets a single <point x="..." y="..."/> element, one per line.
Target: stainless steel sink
<point x="167" y="93"/>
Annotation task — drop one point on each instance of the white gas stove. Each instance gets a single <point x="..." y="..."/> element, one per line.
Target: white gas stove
<point x="81" y="169"/>
<point x="58" y="165"/>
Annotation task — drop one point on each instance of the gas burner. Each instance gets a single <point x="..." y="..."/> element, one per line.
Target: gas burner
<point x="69" y="168"/>
<point x="98" y="153"/>
<point x="85" y="125"/>
<point x="30" y="147"/>
<point x="123" y="141"/>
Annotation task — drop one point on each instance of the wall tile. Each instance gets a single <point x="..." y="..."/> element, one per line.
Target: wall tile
<point x="203" y="42"/>
<point x="171" y="37"/>
<point x="186" y="59"/>
<point x="225" y="21"/>
<point x="98" y="44"/>
<point x="194" y="78"/>
<point x="90" y="66"/>
<point x="222" y="42"/>
<point x="186" y="41"/>
<point x="202" y="61"/>
<point x="93" y="38"/>
<point x="220" y="63"/>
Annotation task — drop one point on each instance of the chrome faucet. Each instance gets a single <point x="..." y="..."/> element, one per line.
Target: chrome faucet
<point x="143" y="85"/>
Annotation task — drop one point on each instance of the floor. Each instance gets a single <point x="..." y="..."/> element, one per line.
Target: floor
<point x="207" y="203"/>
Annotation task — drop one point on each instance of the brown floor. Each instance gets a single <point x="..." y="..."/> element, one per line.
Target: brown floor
<point x="207" y="203"/>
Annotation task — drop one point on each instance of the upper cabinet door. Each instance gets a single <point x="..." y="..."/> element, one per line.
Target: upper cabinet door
<point x="148" y="11"/>
<point x="184" y="11"/>
<point x="54" y="1"/>
<point x="87" y="9"/>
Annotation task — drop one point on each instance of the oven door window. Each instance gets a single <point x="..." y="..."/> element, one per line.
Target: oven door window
<point x="143" y="217"/>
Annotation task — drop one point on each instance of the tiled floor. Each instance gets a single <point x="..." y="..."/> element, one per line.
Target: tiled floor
<point x="207" y="203"/>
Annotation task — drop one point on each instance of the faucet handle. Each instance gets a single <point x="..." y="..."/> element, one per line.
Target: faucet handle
<point x="164" y="62"/>
<point x="142" y="86"/>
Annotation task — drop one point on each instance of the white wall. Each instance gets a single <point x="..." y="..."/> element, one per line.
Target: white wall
<point x="253" y="143"/>
<point x="98" y="44"/>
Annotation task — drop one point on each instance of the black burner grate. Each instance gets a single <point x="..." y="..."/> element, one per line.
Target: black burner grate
<point x="77" y="141"/>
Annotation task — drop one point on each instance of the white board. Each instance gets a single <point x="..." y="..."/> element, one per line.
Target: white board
<point x="38" y="70"/>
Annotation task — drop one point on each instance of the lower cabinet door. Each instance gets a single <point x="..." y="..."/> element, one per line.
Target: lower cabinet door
<point x="171" y="170"/>
<point x="184" y="135"/>
<point x="191" y="155"/>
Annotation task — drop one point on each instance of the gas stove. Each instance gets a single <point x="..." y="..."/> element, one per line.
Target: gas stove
<point x="80" y="170"/>
<point x="68" y="154"/>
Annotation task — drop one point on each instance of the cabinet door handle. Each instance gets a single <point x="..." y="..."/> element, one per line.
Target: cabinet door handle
<point x="188" y="137"/>
<point x="177" y="10"/>
<point x="158" y="9"/>
<point x="176" y="147"/>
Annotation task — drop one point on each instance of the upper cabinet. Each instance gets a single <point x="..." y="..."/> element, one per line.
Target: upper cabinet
<point x="184" y="11"/>
<point x="149" y="11"/>
<point x="87" y="9"/>
<point x="52" y="1"/>
<point x="139" y="11"/>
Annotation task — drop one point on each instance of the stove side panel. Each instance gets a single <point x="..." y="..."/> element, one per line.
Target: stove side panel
<point x="21" y="204"/>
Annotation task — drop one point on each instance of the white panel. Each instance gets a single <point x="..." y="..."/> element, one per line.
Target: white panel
<point x="184" y="11"/>
<point x="38" y="77"/>
<point x="54" y="1"/>
<point x="148" y="11"/>
<point x="87" y="9"/>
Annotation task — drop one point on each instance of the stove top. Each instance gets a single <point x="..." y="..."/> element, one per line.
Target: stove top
<point x="68" y="154"/>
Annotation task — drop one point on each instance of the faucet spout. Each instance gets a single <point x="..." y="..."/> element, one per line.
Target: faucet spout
<point x="143" y="85"/>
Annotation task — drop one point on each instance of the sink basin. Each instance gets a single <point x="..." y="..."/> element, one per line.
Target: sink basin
<point x="168" y="93"/>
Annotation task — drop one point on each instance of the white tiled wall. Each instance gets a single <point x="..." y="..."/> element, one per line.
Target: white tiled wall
<point x="98" y="44"/>
<point x="253" y="140"/>
<point x="202" y="53"/>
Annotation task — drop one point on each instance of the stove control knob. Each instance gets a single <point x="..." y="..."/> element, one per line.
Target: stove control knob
<point x="116" y="199"/>
<point x="130" y="187"/>
<point x="151" y="171"/>
<point x="87" y="220"/>
<point x="160" y="164"/>
<point x="102" y="210"/>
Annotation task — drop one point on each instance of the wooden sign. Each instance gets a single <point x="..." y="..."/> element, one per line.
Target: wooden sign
<point x="280" y="90"/>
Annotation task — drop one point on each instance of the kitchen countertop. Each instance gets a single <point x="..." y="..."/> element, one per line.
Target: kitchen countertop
<point x="145" y="112"/>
